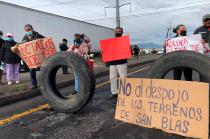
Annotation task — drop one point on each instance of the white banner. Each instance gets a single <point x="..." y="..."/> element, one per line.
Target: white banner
<point x="191" y="43"/>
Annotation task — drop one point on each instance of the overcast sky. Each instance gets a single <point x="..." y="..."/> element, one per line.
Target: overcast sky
<point x="147" y="22"/>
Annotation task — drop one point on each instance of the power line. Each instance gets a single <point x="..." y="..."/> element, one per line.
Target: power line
<point x="58" y="3"/>
<point x="157" y="12"/>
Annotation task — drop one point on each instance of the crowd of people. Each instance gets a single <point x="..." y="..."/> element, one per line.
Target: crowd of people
<point x="180" y="31"/>
<point x="80" y="45"/>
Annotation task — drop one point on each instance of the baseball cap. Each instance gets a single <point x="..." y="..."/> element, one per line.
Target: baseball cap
<point x="207" y="16"/>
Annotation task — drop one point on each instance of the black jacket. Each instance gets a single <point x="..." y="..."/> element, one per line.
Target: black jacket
<point x="34" y="36"/>
<point x="1" y="43"/>
<point x="63" y="46"/>
<point x="7" y="55"/>
<point x="205" y="33"/>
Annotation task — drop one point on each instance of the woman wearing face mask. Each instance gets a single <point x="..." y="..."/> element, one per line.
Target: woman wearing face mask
<point x="11" y="60"/>
<point x="180" y="31"/>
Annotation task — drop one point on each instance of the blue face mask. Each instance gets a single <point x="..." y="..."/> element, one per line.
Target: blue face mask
<point x="9" y="39"/>
<point x="29" y="33"/>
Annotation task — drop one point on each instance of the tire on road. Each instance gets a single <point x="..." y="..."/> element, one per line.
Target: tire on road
<point x="190" y="59"/>
<point x="85" y="77"/>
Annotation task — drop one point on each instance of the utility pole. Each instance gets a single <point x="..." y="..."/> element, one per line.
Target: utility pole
<point x="117" y="7"/>
<point x="117" y="13"/>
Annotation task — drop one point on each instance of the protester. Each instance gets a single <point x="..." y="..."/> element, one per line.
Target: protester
<point x="11" y="59"/>
<point x="63" y="47"/>
<point x="117" y="67"/>
<point x="180" y="31"/>
<point x="136" y="51"/>
<point x="81" y="47"/>
<point x="204" y="30"/>
<point x="1" y="43"/>
<point x="85" y="46"/>
<point x="30" y="36"/>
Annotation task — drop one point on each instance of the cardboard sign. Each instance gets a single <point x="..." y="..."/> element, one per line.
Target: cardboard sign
<point x="178" y="107"/>
<point x="206" y="49"/>
<point x="191" y="43"/>
<point x="35" y="52"/>
<point x="115" y="49"/>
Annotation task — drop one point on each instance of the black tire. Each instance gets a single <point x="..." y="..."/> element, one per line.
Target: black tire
<point x="189" y="59"/>
<point x="48" y="82"/>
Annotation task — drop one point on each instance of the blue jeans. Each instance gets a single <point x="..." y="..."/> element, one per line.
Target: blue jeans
<point x="76" y="83"/>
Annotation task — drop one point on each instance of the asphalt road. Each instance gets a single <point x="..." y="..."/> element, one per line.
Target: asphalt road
<point x="95" y="121"/>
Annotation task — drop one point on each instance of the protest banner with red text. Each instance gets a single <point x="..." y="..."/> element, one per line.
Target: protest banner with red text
<point x="34" y="53"/>
<point x="191" y="43"/>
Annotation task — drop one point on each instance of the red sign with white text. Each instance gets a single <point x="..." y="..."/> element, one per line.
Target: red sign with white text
<point x="115" y="49"/>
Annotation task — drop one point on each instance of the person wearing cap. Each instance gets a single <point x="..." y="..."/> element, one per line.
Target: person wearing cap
<point x="204" y="30"/>
<point x="11" y="60"/>
<point x="30" y="36"/>
<point x="1" y="43"/>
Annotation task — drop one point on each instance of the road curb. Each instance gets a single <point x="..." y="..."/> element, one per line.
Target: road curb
<point x="16" y="97"/>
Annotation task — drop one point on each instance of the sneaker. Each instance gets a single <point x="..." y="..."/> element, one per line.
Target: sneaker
<point x="17" y="82"/>
<point x="9" y="82"/>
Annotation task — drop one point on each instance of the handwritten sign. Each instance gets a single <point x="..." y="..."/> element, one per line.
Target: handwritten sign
<point x="206" y="49"/>
<point x="35" y="52"/>
<point x="191" y="43"/>
<point x="178" y="107"/>
<point x="115" y="49"/>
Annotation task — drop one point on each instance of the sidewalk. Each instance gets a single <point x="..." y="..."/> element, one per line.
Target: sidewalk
<point x="10" y="93"/>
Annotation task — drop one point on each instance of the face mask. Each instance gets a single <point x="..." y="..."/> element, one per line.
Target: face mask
<point x="9" y="39"/>
<point x="118" y="34"/>
<point x="183" y="33"/>
<point x="29" y="33"/>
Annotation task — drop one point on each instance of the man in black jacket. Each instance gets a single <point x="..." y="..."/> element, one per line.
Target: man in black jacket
<point x="1" y="43"/>
<point x="117" y="67"/>
<point x="30" y="36"/>
<point x="204" y="30"/>
<point x="63" y="47"/>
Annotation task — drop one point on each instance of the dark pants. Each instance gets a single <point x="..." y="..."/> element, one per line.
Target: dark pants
<point x="1" y="72"/>
<point x="187" y="73"/>
<point x="65" y="69"/>
<point x="137" y="56"/>
<point x="33" y="77"/>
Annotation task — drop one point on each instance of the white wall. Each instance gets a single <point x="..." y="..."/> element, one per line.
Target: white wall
<point x="13" y="18"/>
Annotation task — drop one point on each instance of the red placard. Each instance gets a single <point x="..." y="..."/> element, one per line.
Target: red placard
<point x="115" y="49"/>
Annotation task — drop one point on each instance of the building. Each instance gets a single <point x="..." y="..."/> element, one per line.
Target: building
<point x="14" y="18"/>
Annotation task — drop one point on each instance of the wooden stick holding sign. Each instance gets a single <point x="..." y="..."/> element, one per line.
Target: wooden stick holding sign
<point x="35" y="52"/>
<point x="181" y="107"/>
